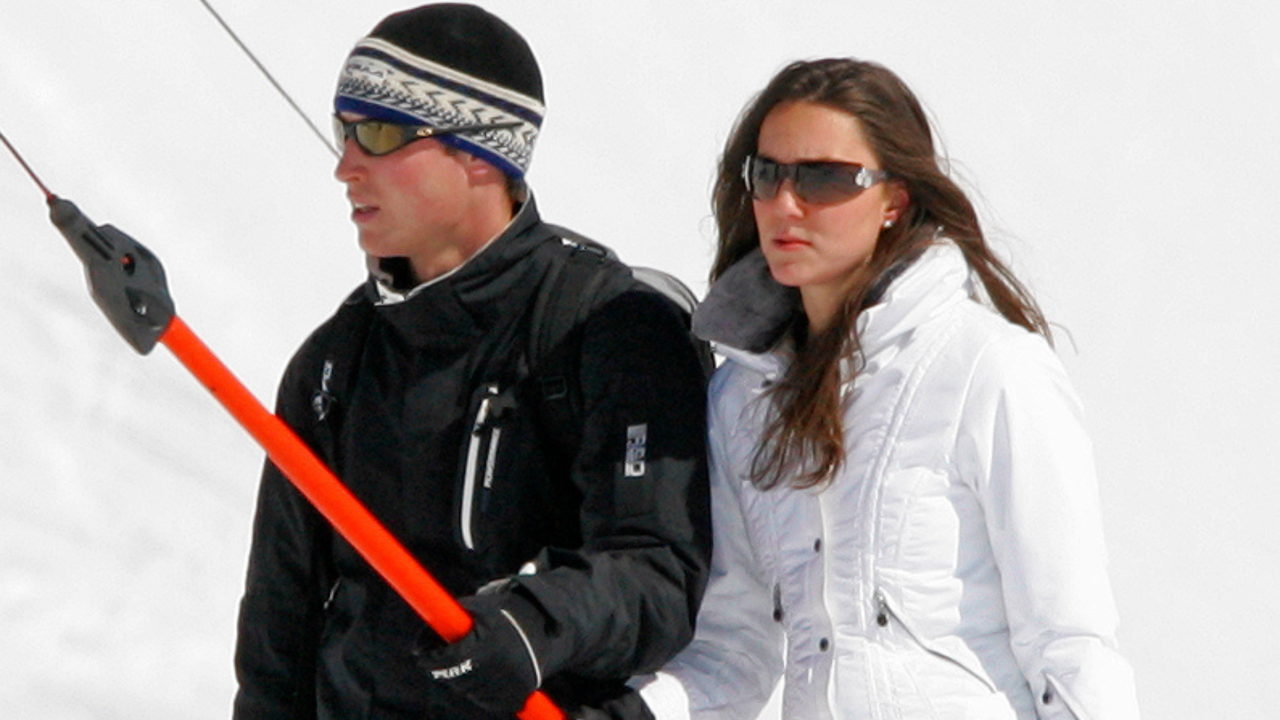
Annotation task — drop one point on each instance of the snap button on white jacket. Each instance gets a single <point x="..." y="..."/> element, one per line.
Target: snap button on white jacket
<point x="955" y="568"/>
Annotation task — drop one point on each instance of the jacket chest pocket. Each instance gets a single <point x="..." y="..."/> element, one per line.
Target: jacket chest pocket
<point x="510" y="499"/>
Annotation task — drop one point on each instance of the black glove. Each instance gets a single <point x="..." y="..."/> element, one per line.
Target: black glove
<point x="627" y="706"/>
<point x="495" y="666"/>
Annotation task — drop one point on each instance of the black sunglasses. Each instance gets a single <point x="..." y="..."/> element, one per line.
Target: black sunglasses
<point x="379" y="137"/>
<point x="818" y="182"/>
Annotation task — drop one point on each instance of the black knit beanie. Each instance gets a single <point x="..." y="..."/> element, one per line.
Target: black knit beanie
<point x="449" y="64"/>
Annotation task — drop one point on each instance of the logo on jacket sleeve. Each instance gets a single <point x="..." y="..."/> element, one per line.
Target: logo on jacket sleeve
<point x="322" y="400"/>
<point x="637" y="436"/>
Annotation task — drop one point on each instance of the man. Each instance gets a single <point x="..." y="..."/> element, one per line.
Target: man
<point x="581" y="555"/>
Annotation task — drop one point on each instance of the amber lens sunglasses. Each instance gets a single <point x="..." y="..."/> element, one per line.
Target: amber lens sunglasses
<point x="379" y="137"/>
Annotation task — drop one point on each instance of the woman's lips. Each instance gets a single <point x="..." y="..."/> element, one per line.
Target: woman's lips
<point x="786" y="242"/>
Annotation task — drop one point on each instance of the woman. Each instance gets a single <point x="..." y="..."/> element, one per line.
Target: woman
<point x="904" y="496"/>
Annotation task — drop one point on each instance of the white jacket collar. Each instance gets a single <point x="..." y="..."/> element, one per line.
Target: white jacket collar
<point x="746" y="308"/>
<point x="939" y="278"/>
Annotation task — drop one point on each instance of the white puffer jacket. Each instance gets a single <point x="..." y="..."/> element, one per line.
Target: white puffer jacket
<point x="955" y="567"/>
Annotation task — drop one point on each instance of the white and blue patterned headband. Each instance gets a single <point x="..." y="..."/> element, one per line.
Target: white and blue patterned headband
<point x="385" y="82"/>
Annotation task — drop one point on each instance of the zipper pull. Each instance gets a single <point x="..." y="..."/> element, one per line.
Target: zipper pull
<point x="482" y="413"/>
<point x="882" y="609"/>
<point x="501" y="404"/>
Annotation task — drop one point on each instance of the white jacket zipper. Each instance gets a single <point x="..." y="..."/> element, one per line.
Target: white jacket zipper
<point x="884" y="611"/>
<point x="472" y="469"/>
<point x="1055" y="692"/>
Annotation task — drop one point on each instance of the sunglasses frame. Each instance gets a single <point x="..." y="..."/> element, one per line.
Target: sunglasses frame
<point x="863" y="178"/>
<point x="347" y="130"/>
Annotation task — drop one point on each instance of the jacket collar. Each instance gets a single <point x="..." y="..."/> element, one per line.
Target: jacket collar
<point x="934" y="282"/>
<point x="746" y="309"/>
<point x="746" y="312"/>
<point x="459" y="307"/>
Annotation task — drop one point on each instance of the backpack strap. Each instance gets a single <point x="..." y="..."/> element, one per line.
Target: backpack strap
<point x="579" y="272"/>
<point x="581" y="276"/>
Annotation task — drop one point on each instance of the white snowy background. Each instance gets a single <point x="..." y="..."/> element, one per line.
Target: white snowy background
<point x="1124" y="156"/>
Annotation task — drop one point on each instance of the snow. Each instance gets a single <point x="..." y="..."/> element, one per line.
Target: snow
<point x="1123" y="156"/>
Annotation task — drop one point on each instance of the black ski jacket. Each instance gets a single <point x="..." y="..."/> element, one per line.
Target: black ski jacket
<point x="620" y="552"/>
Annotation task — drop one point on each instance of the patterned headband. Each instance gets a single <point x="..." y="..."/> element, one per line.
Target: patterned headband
<point x="383" y="81"/>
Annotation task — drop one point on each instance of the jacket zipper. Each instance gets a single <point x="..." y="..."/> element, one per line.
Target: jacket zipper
<point x="1053" y="692"/>
<point x="474" y="468"/>
<point x="884" y="611"/>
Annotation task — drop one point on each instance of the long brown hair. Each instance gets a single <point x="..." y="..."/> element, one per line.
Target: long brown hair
<point x="804" y="440"/>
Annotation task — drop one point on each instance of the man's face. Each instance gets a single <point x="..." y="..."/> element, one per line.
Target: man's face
<point x="412" y="202"/>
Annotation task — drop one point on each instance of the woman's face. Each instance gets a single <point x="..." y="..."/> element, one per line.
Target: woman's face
<point x="822" y="249"/>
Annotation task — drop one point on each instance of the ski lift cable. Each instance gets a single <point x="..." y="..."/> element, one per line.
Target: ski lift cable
<point x="267" y="74"/>
<point x="22" y="161"/>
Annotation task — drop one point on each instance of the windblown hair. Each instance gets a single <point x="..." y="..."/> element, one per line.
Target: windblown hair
<point x="803" y="443"/>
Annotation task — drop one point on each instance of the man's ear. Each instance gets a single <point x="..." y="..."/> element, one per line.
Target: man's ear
<point x="481" y="172"/>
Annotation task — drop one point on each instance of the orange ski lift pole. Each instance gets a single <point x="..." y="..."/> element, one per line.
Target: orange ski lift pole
<point x="128" y="284"/>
